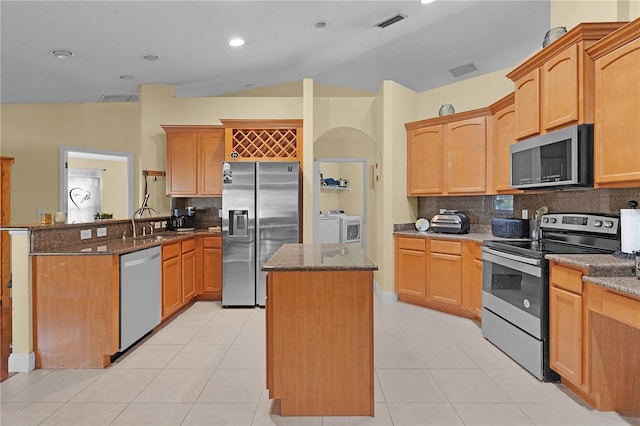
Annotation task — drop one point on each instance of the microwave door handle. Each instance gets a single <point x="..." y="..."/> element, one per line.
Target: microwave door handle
<point x="528" y="266"/>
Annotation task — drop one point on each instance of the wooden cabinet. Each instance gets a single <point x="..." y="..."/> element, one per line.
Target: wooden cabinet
<point x="319" y="328"/>
<point x="503" y="135"/>
<point x="439" y="274"/>
<point x="212" y="267"/>
<point x="617" y="108"/>
<point x="472" y="278"/>
<point x="448" y="155"/>
<point x="194" y="160"/>
<point x="445" y="272"/>
<point x="566" y="324"/>
<point x="188" y="270"/>
<point x="554" y="88"/>
<point x="76" y="310"/>
<point x="263" y="140"/>
<point x="411" y="266"/>
<point x="171" y="278"/>
<point x="5" y="266"/>
<point x="424" y="161"/>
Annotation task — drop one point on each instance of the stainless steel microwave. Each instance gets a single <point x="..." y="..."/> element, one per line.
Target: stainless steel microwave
<point x="559" y="159"/>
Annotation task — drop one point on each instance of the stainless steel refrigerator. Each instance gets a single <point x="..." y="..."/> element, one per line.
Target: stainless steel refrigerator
<point x="260" y="212"/>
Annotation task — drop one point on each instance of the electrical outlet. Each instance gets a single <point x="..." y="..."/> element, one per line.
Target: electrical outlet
<point x="156" y="225"/>
<point x="101" y="232"/>
<point x="85" y="234"/>
<point x="164" y="223"/>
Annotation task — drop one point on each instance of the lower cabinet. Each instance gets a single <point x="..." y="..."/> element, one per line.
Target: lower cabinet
<point x="212" y="268"/>
<point x="445" y="275"/>
<point x="171" y="278"/>
<point x="433" y="272"/>
<point x="566" y="325"/>
<point x="189" y="268"/>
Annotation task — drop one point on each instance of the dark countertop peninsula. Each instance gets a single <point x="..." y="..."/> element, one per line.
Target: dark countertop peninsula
<point x="319" y="257"/>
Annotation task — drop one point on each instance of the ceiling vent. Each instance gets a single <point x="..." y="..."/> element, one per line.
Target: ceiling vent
<point x="397" y="18"/>
<point x="104" y="99"/>
<point x="463" y="69"/>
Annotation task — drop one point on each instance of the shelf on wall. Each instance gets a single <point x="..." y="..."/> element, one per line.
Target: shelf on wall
<point x="334" y="188"/>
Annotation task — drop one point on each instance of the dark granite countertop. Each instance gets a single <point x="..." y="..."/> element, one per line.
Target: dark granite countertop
<point x="604" y="270"/>
<point x="628" y="285"/>
<point x="319" y="257"/>
<point x="122" y="246"/>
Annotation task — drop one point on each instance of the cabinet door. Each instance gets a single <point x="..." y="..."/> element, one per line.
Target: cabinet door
<point x="560" y="102"/>
<point x="212" y="276"/>
<point x="411" y="268"/>
<point x="472" y="277"/>
<point x="565" y="334"/>
<point x="171" y="286"/>
<point x="188" y="276"/>
<point x="424" y="161"/>
<point x="445" y="279"/>
<point x="182" y="160"/>
<point x="211" y="158"/>
<point x="528" y="104"/>
<point x="503" y="130"/>
<point x="617" y="109"/>
<point x="466" y="153"/>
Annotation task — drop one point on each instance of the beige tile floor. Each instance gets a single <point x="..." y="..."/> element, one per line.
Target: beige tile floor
<point x="207" y="367"/>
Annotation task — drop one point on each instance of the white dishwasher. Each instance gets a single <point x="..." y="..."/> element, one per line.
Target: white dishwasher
<point x="140" y="294"/>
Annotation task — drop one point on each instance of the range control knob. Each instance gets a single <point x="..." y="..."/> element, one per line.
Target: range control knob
<point x="597" y="223"/>
<point x="552" y="219"/>
<point x="608" y="224"/>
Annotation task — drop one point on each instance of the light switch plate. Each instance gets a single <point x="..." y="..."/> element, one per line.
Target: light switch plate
<point x="164" y="223"/>
<point x="101" y="232"/>
<point x="85" y="234"/>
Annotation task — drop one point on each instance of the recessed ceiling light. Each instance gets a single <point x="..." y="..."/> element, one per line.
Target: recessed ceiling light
<point x="236" y="42"/>
<point x="320" y="24"/>
<point x="126" y="77"/>
<point x="150" y="58"/>
<point x="426" y="1"/>
<point x="62" y="53"/>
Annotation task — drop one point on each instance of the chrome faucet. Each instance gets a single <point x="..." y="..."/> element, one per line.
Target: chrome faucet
<point x="140" y="212"/>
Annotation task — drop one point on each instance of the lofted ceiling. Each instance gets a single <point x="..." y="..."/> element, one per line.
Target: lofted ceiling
<point x="283" y="45"/>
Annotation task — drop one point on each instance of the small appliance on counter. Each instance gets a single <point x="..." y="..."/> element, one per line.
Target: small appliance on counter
<point x="509" y="227"/>
<point x="183" y="220"/>
<point x="450" y="222"/>
<point x="630" y="228"/>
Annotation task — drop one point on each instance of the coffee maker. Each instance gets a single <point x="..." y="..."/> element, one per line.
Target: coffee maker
<point x="183" y="219"/>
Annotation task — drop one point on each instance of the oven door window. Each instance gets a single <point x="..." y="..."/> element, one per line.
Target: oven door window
<point x="520" y="285"/>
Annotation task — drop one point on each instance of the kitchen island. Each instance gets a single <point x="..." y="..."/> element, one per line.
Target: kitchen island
<point x="319" y="326"/>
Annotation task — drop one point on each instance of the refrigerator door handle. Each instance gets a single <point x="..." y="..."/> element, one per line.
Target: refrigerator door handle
<point x="239" y="223"/>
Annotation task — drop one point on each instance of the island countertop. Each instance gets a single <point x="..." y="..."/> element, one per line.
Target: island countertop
<point x="319" y="257"/>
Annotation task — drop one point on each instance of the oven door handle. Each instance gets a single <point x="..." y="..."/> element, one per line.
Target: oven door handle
<point x="522" y="264"/>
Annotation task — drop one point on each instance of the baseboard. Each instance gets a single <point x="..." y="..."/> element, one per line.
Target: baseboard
<point x="384" y="296"/>
<point x="22" y="363"/>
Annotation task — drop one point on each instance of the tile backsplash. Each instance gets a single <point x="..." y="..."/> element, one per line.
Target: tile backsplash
<point x="206" y="209"/>
<point x="480" y="209"/>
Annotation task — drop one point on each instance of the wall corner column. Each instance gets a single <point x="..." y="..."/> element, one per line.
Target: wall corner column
<point x="22" y="358"/>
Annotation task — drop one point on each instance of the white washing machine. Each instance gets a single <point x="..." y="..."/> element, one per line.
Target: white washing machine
<point x="350" y="226"/>
<point x="329" y="230"/>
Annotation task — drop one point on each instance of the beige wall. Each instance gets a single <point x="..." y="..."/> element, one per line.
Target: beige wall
<point x="569" y="13"/>
<point x="33" y="133"/>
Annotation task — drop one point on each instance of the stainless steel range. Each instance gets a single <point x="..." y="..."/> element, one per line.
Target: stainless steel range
<point x="515" y="283"/>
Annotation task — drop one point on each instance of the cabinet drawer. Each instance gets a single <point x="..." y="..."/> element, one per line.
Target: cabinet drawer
<point x="447" y="247"/>
<point x="566" y="278"/>
<point x="188" y="245"/>
<point x="170" y="250"/>
<point x="212" y="242"/>
<point x="412" y="243"/>
<point x="621" y="308"/>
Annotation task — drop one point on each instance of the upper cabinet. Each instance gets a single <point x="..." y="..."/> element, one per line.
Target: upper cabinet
<point x="503" y="135"/>
<point x="617" y="108"/>
<point x="194" y="160"/>
<point x="263" y="140"/>
<point x="448" y="155"/>
<point x="554" y="88"/>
